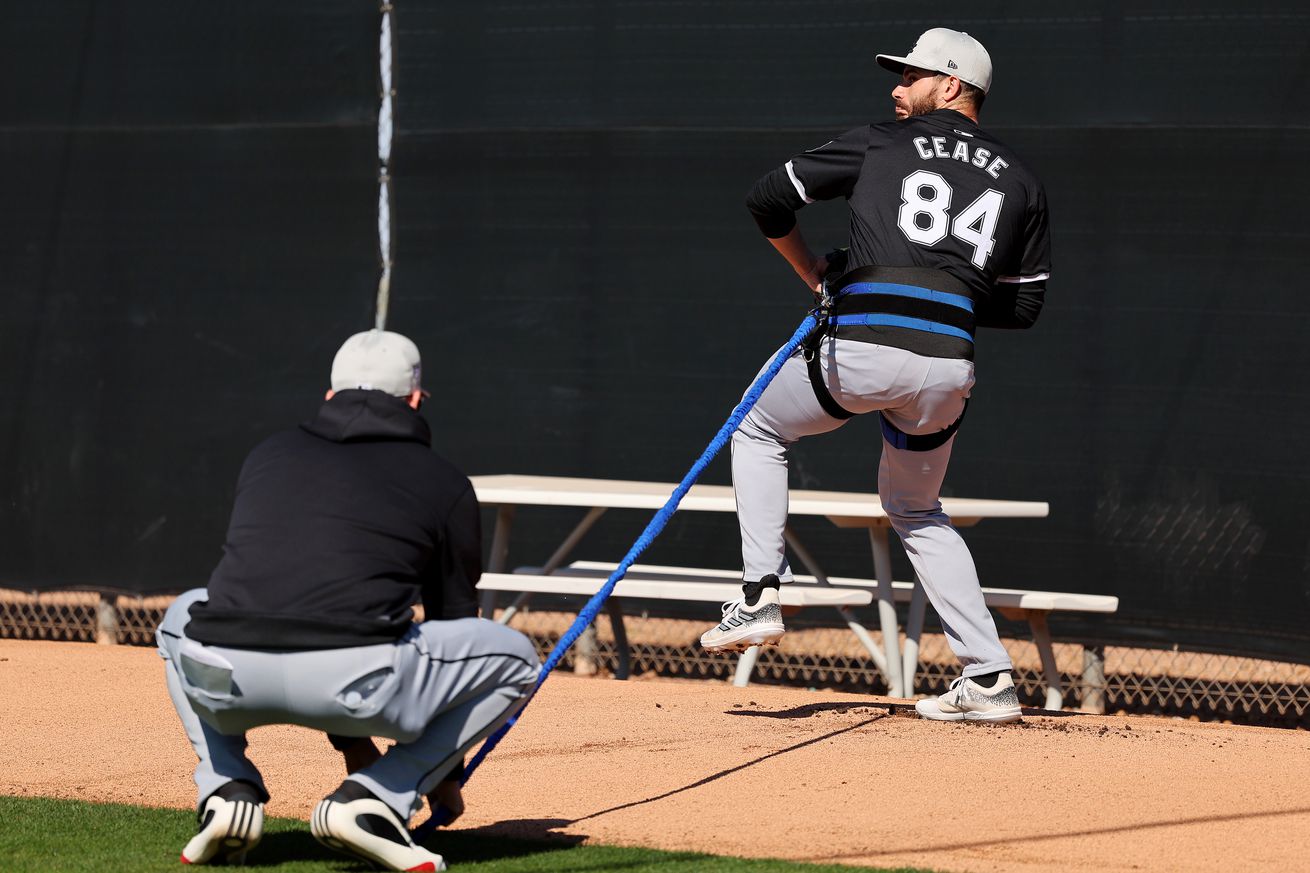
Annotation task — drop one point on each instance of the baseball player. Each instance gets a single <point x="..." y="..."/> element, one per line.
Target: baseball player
<point x="948" y="233"/>
<point x="339" y="526"/>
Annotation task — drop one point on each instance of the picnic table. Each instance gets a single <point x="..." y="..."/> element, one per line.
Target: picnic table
<point x="508" y="493"/>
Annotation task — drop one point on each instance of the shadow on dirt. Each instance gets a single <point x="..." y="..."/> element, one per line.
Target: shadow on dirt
<point x="719" y="775"/>
<point x="811" y="710"/>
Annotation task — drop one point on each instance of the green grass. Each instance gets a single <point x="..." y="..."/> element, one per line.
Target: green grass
<point x="42" y="834"/>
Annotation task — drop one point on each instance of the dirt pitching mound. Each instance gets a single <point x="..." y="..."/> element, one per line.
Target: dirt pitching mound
<point x="764" y="772"/>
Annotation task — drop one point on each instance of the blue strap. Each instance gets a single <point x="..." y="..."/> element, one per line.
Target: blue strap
<point x="957" y="300"/>
<point x="925" y="442"/>
<point x="903" y="321"/>
<point x="653" y="529"/>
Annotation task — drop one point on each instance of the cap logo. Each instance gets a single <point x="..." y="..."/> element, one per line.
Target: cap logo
<point x="950" y="65"/>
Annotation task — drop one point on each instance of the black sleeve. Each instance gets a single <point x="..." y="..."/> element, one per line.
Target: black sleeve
<point x="1035" y="258"/>
<point x="1016" y="300"/>
<point x="1011" y="305"/>
<point x="825" y="173"/>
<point x="450" y="591"/>
<point x="1037" y="239"/>
<point x="773" y="202"/>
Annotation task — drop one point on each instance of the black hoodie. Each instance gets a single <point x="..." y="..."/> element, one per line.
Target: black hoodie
<point x="338" y="528"/>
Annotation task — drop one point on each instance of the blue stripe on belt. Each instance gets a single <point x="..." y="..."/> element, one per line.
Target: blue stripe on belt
<point x="957" y="300"/>
<point x="878" y="318"/>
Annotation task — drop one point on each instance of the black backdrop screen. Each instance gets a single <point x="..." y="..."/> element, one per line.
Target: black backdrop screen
<point x="189" y="234"/>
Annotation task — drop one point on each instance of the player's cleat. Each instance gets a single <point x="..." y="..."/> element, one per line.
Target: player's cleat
<point x="231" y="824"/>
<point x="966" y="700"/>
<point x="354" y="822"/>
<point x="748" y="622"/>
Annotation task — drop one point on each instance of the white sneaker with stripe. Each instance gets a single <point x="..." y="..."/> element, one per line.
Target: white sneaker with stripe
<point x="745" y="626"/>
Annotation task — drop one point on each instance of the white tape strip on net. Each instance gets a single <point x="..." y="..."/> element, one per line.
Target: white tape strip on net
<point x="385" y="134"/>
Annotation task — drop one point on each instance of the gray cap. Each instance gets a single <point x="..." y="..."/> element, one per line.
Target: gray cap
<point x="378" y="360"/>
<point x="951" y="52"/>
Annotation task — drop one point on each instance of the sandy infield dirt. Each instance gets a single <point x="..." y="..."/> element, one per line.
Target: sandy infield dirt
<point x="759" y="771"/>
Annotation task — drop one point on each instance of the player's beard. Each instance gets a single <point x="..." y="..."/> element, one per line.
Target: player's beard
<point x="921" y="106"/>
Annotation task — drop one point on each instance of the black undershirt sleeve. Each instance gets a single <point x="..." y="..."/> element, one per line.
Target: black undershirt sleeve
<point x="773" y="202"/>
<point x="1012" y="306"/>
<point x="1015" y="304"/>
<point x="824" y="173"/>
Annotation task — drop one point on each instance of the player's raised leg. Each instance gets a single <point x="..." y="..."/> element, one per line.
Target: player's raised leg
<point x="786" y="411"/>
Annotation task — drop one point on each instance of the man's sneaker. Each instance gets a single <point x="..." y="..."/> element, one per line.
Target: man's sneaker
<point x="750" y="621"/>
<point x="966" y="700"/>
<point x="352" y="821"/>
<point x="231" y="824"/>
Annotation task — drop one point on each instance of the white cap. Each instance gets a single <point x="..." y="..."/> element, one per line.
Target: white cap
<point x="378" y="360"/>
<point x="951" y="52"/>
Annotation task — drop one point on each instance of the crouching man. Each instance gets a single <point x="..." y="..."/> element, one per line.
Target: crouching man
<point x="339" y="527"/>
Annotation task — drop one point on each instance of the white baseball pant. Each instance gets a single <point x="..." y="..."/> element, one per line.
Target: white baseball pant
<point x="917" y="394"/>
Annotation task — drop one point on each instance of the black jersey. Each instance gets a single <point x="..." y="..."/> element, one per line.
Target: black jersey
<point x="934" y="191"/>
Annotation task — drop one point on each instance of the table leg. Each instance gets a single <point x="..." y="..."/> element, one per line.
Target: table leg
<point x="789" y="536"/>
<point x="584" y="652"/>
<point x="566" y="548"/>
<point x="508" y="613"/>
<point x="1042" y="637"/>
<point x="624" y="666"/>
<point x="866" y="639"/>
<point x="499" y="555"/>
<point x="746" y="666"/>
<point x="585" y="655"/>
<point x="891" y="632"/>
<point x="913" y="632"/>
<point x="806" y="558"/>
<point x="1093" y="699"/>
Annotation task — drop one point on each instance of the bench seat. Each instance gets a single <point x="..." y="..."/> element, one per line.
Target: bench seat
<point x="657" y="582"/>
<point x="997" y="598"/>
<point x="567" y="580"/>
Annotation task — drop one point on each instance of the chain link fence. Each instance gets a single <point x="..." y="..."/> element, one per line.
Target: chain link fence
<point x="1134" y="680"/>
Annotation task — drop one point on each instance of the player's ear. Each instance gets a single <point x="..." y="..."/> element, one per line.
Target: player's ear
<point x="952" y="90"/>
<point x="330" y="394"/>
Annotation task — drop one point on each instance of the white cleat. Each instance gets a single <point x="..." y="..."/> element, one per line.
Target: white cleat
<point x="228" y="829"/>
<point x="966" y="700"/>
<point x="369" y="830"/>
<point x="745" y="626"/>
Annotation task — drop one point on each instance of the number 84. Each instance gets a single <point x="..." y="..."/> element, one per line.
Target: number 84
<point x="924" y="193"/>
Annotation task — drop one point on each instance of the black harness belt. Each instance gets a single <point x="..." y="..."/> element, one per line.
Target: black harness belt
<point x="914" y="298"/>
<point x="821" y="392"/>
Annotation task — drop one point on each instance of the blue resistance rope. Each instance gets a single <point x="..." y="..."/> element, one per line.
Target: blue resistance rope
<point x="653" y="529"/>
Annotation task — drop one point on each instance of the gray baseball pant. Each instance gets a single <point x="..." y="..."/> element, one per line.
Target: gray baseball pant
<point x="917" y="394"/>
<point x="437" y="691"/>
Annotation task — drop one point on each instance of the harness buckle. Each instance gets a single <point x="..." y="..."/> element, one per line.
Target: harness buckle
<point x="822" y="313"/>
